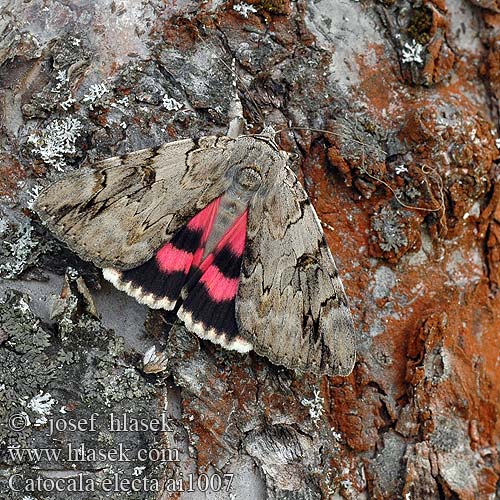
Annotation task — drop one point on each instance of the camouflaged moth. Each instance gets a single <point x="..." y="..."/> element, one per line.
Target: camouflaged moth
<point x="221" y="230"/>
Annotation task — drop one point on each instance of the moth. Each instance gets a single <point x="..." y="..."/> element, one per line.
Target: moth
<point x="220" y="230"/>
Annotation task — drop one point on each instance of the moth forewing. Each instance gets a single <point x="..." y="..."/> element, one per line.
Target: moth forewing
<point x="291" y="304"/>
<point x="119" y="212"/>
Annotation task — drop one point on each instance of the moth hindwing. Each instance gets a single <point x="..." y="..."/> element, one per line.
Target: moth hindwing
<point x="223" y="227"/>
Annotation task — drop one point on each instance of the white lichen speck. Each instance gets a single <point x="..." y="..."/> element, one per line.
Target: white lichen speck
<point x="124" y="101"/>
<point x="33" y="193"/>
<point x="243" y="9"/>
<point x="336" y="435"/>
<point x="138" y="470"/>
<point x="62" y="80"/>
<point x="316" y="408"/>
<point x="95" y="93"/>
<point x="400" y="169"/>
<point x="413" y="52"/>
<point x="67" y="103"/>
<point x="57" y="141"/>
<point x="22" y="306"/>
<point x="42" y="404"/>
<point x="171" y="104"/>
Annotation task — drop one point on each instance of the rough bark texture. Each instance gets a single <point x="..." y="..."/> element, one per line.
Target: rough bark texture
<point x="405" y="180"/>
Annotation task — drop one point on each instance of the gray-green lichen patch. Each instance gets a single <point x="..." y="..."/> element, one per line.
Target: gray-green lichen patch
<point x="71" y="386"/>
<point x="20" y="248"/>
<point x="354" y="149"/>
<point x="57" y="142"/>
<point x="24" y="363"/>
<point x="27" y="250"/>
<point x="391" y="230"/>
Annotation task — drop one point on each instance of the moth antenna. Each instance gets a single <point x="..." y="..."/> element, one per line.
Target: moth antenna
<point x="378" y="179"/>
<point x="236" y="78"/>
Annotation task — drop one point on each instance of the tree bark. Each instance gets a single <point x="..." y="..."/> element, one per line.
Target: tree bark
<point x="395" y="109"/>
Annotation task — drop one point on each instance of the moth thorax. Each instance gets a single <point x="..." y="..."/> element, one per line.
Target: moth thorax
<point x="247" y="179"/>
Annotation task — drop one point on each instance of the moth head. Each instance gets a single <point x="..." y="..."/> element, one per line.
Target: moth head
<point x="248" y="179"/>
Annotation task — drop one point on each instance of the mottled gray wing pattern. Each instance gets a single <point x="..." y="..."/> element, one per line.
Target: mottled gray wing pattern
<point x="122" y="209"/>
<point x="291" y="304"/>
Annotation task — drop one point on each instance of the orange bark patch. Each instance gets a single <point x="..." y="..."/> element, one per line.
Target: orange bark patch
<point x="11" y="173"/>
<point x="380" y="88"/>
